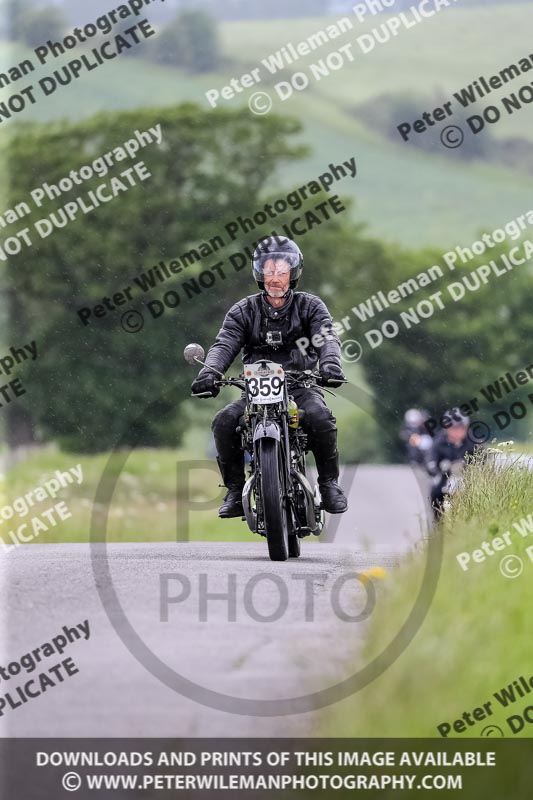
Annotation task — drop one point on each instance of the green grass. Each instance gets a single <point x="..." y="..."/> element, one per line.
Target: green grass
<point x="151" y="495"/>
<point x="444" y="193"/>
<point x="441" y="55"/>
<point x="144" y="504"/>
<point x="476" y="637"/>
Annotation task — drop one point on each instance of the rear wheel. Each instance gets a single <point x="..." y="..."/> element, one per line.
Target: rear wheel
<point x="274" y="504"/>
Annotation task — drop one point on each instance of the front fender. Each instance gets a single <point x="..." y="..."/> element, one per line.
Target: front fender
<point x="269" y="431"/>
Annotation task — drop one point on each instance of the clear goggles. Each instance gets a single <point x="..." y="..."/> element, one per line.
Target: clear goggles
<point x="276" y="264"/>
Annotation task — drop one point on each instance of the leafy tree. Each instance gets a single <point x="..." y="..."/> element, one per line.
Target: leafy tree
<point x="92" y="383"/>
<point x="34" y="26"/>
<point x="385" y="112"/>
<point x="12" y="14"/>
<point x="190" y="41"/>
<point x="445" y="359"/>
<point x="199" y="41"/>
<point x="267" y="9"/>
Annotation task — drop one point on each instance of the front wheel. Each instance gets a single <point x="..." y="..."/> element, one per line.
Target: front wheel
<point x="274" y="503"/>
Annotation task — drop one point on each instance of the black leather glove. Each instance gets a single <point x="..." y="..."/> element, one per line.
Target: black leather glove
<point x="332" y="375"/>
<point x="204" y="385"/>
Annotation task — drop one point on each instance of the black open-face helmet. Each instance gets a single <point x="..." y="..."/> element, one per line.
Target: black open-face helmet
<point x="274" y="250"/>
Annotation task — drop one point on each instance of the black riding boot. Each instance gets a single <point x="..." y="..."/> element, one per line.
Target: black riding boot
<point x="233" y="477"/>
<point x="327" y="464"/>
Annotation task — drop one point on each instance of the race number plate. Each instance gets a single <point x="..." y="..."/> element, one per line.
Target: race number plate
<point x="264" y="382"/>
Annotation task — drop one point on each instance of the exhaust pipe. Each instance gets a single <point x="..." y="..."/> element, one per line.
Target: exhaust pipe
<point x="314" y="526"/>
<point x="250" y="515"/>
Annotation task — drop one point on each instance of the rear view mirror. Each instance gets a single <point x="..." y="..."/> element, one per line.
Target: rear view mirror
<point x="194" y="353"/>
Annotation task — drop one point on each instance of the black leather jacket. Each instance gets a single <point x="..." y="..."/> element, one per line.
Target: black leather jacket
<point x="248" y="323"/>
<point x="443" y="450"/>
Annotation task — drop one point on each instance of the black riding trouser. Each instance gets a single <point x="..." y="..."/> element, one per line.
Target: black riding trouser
<point x="317" y="421"/>
<point x="437" y="496"/>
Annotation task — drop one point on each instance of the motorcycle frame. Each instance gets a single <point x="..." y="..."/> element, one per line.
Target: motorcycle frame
<point x="270" y="420"/>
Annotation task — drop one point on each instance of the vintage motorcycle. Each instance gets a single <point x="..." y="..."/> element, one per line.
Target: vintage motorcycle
<point x="452" y="474"/>
<point x="418" y="446"/>
<point x="450" y="481"/>
<point x="278" y="501"/>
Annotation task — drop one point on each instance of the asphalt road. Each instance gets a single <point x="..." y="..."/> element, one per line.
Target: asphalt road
<point x="221" y="646"/>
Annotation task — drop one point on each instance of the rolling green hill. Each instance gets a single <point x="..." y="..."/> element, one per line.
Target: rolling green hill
<point x="404" y="195"/>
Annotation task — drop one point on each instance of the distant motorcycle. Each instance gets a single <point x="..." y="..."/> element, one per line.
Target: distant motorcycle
<point x="278" y="500"/>
<point x="418" y="446"/>
<point x="451" y="477"/>
<point x="415" y="436"/>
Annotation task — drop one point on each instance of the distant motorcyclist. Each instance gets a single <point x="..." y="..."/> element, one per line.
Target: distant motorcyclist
<point x="266" y="326"/>
<point x="415" y="435"/>
<point x="450" y="445"/>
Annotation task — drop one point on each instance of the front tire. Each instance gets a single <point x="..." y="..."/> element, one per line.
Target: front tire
<point x="274" y="504"/>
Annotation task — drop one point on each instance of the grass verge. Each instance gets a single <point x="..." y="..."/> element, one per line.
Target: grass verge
<point x="145" y="501"/>
<point x="476" y="637"/>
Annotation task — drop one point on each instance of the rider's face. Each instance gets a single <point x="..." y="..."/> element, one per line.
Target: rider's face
<point x="277" y="277"/>
<point x="457" y="435"/>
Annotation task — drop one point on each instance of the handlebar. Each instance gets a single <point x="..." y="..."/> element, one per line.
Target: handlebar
<point x="231" y="382"/>
<point x="305" y="377"/>
<point x="311" y="377"/>
<point x="224" y="382"/>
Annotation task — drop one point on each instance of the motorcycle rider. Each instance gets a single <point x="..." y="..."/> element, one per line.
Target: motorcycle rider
<point x="266" y="326"/>
<point x="414" y="435"/>
<point x="450" y="445"/>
